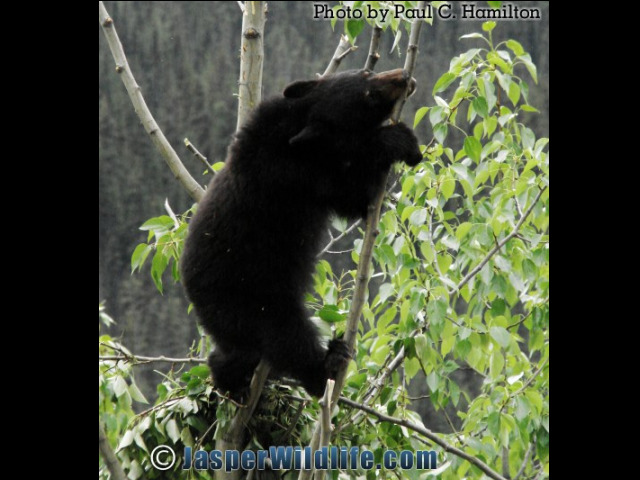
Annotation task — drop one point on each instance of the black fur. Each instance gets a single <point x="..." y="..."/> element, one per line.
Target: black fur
<point x="251" y="248"/>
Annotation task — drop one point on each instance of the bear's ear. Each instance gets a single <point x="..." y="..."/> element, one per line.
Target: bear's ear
<point x="300" y="88"/>
<point x="307" y="134"/>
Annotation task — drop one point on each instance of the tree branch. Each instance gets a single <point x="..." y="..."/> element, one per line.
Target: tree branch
<point x="373" y="56"/>
<point x="366" y="253"/>
<point x="500" y="244"/>
<point x="198" y="155"/>
<point x="325" y="421"/>
<point x="109" y="457"/>
<point x="251" y="59"/>
<point x="148" y="122"/>
<point x="339" y="237"/>
<point x="527" y="454"/>
<point x="141" y="359"/>
<point x="233" y="438"/>
<point x="249" y="96"/>
<point x="447" y="447"/>
<point x="344" y="48"/>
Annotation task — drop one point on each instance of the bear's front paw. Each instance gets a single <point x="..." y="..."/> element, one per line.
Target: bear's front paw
<point x="402" y="144"/>
<point x="338" y="355"/>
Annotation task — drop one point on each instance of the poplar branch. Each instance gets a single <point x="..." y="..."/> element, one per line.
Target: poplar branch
<point x="366" y="253"/>
<point x="447" y="447"/>
<point x="373" y="56"/>
<point x="344" y="48"/>
<point x="144" y="114"/>
<point x="108" y="455"/>
<point x="473" y="272"/>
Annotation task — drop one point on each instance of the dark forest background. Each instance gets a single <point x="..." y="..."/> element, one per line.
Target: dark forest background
<point x="185" y="57"/>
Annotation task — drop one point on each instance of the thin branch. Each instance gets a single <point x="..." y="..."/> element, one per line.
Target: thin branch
<point x="142" y="359"/>
<point x="447" y="447"/>
<point x="527" y="455"/>
<point x="339" y="237"/>
<point x="148" y="122"/>
<point x="325" y="421"/>
<point x="344" y="48"/>
<point x="109" y="457"/>
<point x="198" y="155"/>
<point x="373" y="56"/>
<point x="233" y="438"/>
<point x="366" y="253"/>
<point x="495" y="249"/>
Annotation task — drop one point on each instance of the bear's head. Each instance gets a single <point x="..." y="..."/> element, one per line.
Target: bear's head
<point x="351" y="101"/>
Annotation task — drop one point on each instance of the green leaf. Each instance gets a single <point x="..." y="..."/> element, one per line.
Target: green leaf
<point x="500" y="335"/>
<point x="443" y="82"/>
<point x="533" y="71"/>
<point x="418" y="217"/>
<point x="473" y="35"/>
<point x="493" y="423"/>
<point x="480" y="105"/>
<point x="200" y="371"/>
<point x="427" y="251"/>
<point x="473" y="148"/>
<point x="440" y="132"/>
<point x="514" y="93"/>
<point x="462" y="230"/>
<point x="495" y="4"/>
<point x="496" y="364"/>
<point x="529" y="108"/>
<point x="495" y="59"/>
<point x="139" y="255"/>
<point x="444" y="262"/>
<point x="528" y="138"/>
<point x="488" y="26"/>
<point x="447" y="187"/>
<point x="163" y="222"/>
<point x="515" y="47"/>
<point x="136" y="394"/>
<point x="419" y="115"/>
<point x="353" y="28"/>
<point x="172" y="430"/>
<point x="332" y="314"/>
<point x="357" y="380"/>
<point x="433" y="380"/>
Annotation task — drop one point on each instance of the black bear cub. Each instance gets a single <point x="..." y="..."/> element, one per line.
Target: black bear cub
<point x="319" y="149"/>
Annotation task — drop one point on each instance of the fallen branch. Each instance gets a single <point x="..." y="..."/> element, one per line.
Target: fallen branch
<point x="148" y="122"/>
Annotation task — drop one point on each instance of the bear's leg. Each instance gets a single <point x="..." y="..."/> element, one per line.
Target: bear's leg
<point x="297" y="352"/>
<point x="232" y="371"/>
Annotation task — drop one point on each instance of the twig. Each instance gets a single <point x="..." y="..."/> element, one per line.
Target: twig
<point x="233" y="438"/>
<point x="109" y="457"/>
<point x="325" y="423"/>
<point x="198" y="155"/>
<point x="339" y="237"/>
<point x="447" y="447"/>
<point x="495" y="249"/>
<point x="151" y="127"/>
<point x="344" y="48"/>
<point x="373" y="56"/>
<point x="141" y="359"/>
<point x="527" y="454"/>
